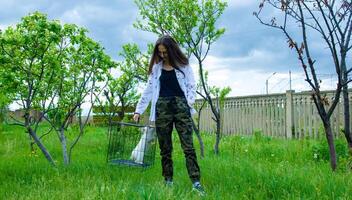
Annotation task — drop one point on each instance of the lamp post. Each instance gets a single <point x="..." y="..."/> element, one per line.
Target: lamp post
<point x="267" y="82"/>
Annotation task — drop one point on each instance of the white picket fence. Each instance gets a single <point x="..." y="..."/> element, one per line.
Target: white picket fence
<point x="286" y="115"/>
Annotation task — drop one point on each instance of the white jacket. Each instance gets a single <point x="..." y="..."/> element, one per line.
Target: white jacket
<point x="151" y="92"/>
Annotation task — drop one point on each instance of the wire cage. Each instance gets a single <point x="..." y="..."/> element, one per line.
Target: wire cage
<point x="131" y="144"/>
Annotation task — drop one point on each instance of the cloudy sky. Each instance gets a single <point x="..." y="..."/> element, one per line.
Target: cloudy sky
<point x="243" y="58"/>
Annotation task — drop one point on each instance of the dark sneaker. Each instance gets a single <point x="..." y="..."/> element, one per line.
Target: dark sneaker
<point x="197" y="187"/>
<point x="169" y="183"/>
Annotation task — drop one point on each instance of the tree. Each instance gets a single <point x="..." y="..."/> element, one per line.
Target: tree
<point x="121" y="92"/>
<point x="134" y="68"/>
<point x="84" y="66"/>
<point x="3" y="107"/>
<point x="27" y="52"/>
<point x="192" y="24"/>
<point x="199" y="108"/>
<point x="218" y="95"/>
<point x="6" y="85"/>
<point x="135" y="61"/>
<point x="332" y="21"/>
<point x="53" y="68"/>
<point x="6" y="96"/>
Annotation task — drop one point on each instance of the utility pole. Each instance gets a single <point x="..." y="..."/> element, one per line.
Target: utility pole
<point x="267" y="82"/>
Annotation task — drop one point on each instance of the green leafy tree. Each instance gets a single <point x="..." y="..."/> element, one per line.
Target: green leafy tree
<point x="135" y="61"/>
<point x="28" y="54"/>
<point x="3" y="106"/>
<point x="53" y="67"/>
<point x="192" y="24"/>
<point x="84" y="66"/>
<point x="121" y="92"/>
<point x="6" y="92"/>
<point x="7" y="86"/>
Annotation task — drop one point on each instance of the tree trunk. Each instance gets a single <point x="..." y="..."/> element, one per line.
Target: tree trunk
<point x="34" y="136"/>
<point x="201" y="144"/>
<point x="64" y="146"/>
<point x="346" y="106"/>
<point x="330" y="138"/>
<point x="41" y="146"/>
<point x="31" y="143"/>
<point x="347" y="130"/>
<point x="212" y="107"/>
<point x="349" y="165"/>
<point x="121" y="114"/>
<point x="217" y="141"/>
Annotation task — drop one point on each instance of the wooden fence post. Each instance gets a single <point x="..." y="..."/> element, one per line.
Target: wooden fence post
<point x="289" y="113"/>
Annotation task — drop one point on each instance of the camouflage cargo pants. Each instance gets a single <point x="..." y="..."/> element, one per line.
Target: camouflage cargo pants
<point x="172" y="111"/>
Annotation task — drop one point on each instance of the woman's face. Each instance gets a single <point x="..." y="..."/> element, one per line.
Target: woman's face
<point x="162" y="51"/>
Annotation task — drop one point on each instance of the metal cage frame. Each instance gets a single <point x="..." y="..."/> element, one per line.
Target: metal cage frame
<point x="131" y="144"/>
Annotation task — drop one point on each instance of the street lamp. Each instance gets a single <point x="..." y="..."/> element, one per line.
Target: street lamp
<point x="267" y="82"/>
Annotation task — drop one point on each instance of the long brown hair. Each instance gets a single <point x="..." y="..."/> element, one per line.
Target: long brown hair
<point x="176" y="58"/>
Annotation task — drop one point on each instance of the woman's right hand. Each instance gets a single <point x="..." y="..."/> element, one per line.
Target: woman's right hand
<point x="136" y="117"/>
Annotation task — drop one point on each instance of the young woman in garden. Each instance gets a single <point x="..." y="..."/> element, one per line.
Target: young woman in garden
<point x="171" y="90"/>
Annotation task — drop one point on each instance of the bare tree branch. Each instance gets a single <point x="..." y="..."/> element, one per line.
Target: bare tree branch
<point x="349" y="71"/>
<point x="200" y="94"/>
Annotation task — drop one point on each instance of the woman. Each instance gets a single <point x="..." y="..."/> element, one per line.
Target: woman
<point x="171" y="90"/>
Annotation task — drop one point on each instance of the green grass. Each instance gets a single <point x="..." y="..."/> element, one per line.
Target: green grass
<point x="247" y="168"/>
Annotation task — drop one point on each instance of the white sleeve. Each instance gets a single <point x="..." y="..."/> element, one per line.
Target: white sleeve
<point x="146" y="96"/>
<point x="191" y="86"/>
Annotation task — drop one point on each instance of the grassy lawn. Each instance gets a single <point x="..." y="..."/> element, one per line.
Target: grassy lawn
<point x="247" y="168"/>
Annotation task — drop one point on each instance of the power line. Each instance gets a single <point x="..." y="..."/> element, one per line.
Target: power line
<point x="282" y="79"/>
<point x="282" y="88"/>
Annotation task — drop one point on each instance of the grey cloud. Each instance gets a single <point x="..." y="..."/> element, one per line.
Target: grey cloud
<point x="244" y="34"/>
<point x="110" y="23"/>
